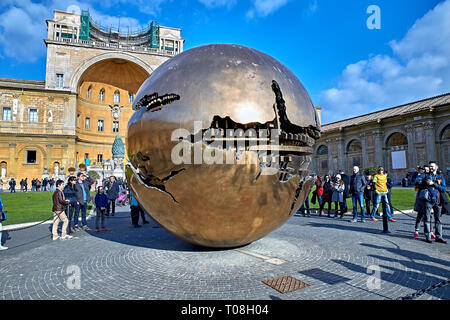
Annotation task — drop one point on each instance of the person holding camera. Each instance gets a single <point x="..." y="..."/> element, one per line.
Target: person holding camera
<point x="431" y="189"/>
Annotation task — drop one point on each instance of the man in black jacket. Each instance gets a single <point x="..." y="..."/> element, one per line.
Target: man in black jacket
<point x="112" y="193"/>
<point x="346" y="194"/>
<point x="82" y="193"/>
<point x="357" y="185"/>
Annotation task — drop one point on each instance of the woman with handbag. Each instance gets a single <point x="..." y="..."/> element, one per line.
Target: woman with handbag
<point x="326" y="195"/>
<point x="338" y="196"/>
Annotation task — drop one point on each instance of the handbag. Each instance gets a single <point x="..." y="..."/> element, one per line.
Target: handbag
<point x="424" y="194"/>
<point x="313" y="198"/>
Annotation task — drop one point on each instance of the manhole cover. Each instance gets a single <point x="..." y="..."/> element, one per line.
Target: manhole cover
<point x="286" y="284"/>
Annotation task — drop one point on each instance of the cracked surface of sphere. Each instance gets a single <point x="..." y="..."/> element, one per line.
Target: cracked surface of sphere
<point x="220" y="143"/>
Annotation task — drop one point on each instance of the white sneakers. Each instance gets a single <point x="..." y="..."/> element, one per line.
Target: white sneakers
<point x="3" y="248"/>
<point x="62" y="238"/>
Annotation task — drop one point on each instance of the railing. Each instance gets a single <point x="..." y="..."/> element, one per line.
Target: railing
<point x="124" y="47"/>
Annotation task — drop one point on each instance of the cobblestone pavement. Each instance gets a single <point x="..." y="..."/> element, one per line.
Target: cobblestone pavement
<point x="338" y="259"/>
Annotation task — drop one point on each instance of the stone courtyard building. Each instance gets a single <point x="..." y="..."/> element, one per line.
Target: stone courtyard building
<point x="92" y="76"/>
<point x="398" y="138"/>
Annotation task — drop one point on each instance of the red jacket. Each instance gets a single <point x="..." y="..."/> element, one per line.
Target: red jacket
<point x="319" y="188"/>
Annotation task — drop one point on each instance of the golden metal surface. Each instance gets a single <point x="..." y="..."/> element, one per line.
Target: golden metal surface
<point x="224" y="87"/>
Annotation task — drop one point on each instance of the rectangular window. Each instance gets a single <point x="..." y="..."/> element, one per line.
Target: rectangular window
<point x="87" y="123"/>
<point x="100" y="125"/>
<point x="115" y="126"/>
<point x="116" y="97"/>
<point x="99" y="158"/>
<point x="31" y="156"/>
<point x="130" y="97"/>
<point x="6" y="114"/>
<point x="324" y="164"/>
<point x="78" y="120"/>
<point x="59" y="80"/>
<point x="101" y="95"/>
<point x="32" y="115"/>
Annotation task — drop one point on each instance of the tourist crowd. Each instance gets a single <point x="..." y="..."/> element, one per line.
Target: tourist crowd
<point x="369" y="191"/>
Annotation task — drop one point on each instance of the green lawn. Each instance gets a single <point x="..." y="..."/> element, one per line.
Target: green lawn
<point x="402" y="199"/>
<point x="29" y="207"/>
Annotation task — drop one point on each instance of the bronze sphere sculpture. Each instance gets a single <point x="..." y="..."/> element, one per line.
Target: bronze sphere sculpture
<point x="220" y="143"/>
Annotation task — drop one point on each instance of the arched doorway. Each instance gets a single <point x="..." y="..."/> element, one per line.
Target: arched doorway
<point x="107" y="81"/>
<point x="397" y="156"/>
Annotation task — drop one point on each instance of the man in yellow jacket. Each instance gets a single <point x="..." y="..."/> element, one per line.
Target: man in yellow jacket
<point x="381" y="191"/>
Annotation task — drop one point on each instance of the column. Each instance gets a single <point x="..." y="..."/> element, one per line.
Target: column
<point x="379" y="152"/>
<point x="430" y="141"/>
<point x="65" y="156"/>
<point x="341" y="155"/>
<point x="330" y="156"/>
<point x="49" y="150"/>
<point x="12" y="163"/>
<point x="412" y="157"/>
<point x="365" y="156"/>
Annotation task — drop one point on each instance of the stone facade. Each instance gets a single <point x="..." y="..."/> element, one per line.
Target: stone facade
<point x="43" y="123"/>
<point x="399" y="139"/>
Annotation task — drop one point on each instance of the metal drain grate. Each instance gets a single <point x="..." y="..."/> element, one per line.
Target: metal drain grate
<point x="286" y="284"/>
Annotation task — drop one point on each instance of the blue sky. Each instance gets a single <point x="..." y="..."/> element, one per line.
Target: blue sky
<point x="347" y="68"/>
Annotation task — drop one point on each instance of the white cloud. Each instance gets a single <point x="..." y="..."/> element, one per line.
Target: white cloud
<point x="262" y="8"/>
<point x="23" y="28"/>
<point x="418" y="67"/>
<point x="218" y="3"/>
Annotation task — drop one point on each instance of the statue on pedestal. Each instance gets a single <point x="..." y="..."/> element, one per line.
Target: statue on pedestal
<point x="118" y="152"/>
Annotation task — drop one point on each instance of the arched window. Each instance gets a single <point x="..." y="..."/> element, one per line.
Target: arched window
<point x="88" y="92"/>
<point x="323" y="150"/>
<point x="445" y="135"/>
<point x="117" y="96"/>
<point x="354" y="146"/>
<point x="397" y="139"/>
<point x="101" y="95"/>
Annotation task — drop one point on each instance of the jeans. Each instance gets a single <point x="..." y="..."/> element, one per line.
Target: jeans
<point x="83" y="208"/>
<point x="378" y="198"/>
<point x="389" y="201"/>
<point x="319" y="199"/>
<point x="70" y="209"/>
<point x="100" y="216"/>
<point x="306" y="204"/>
<point x="111" y="207"/>
<point x="437" y="220"/>
<point x="358" y="197"/>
